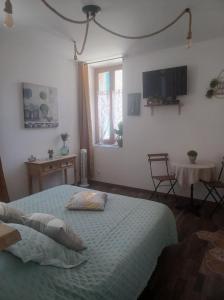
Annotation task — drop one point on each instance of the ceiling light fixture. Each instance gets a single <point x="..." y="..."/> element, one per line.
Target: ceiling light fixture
<point x="8" y="21"/>
<point x="91" y="11"/>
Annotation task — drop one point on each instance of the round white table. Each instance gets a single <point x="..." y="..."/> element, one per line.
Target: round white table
<point x="188" y="174"/>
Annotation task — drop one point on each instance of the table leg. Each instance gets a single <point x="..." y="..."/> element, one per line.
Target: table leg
<point x="193" y="208"/>
<point x="66" y="176"/>
<point x="190" y="206"/>
<point x="75" y="172"/>
<point x="192" y="195"/>
<point x="40" y="183"/>
<point x="30" y="184"/>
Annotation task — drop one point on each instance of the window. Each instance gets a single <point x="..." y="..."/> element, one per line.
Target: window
<point x="108" y="84"/>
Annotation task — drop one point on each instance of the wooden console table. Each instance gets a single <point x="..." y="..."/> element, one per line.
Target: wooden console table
<point x="42" y="168"/>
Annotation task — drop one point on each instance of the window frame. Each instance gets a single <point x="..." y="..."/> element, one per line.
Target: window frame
<point x="97" y="71"/>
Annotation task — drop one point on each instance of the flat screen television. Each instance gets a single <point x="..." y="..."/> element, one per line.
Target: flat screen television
<point x="165" y="83"/>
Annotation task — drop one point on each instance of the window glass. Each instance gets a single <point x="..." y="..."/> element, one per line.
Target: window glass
<point x="104" y="105"/>
<point x="117" y="98"/>
<point x="109" y="103"/>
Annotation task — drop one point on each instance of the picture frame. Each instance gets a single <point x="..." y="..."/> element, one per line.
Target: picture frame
<point x="40" y="105"/>
<point x="134" y="101"/>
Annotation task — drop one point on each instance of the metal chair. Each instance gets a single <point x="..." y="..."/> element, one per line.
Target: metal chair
<point x="4" y="196"/>
<point x="157" y="180"/>
<point x="213" y="188"/>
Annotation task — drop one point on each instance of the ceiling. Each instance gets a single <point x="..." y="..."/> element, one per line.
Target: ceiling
<point x="125" y="16"/>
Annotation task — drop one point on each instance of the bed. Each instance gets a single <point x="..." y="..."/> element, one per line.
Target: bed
<point x="124" y="243"/>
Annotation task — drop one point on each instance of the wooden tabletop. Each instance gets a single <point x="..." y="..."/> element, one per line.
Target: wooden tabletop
<point x="56" y="158"/>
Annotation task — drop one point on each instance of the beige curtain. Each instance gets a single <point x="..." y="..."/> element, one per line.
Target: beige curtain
<point x="85" y="124"/>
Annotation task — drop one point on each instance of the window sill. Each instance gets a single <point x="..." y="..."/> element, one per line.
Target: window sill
<point x="107" y="146"/>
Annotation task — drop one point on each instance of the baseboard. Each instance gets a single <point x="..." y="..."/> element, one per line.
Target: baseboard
<point x="141" y="190"/>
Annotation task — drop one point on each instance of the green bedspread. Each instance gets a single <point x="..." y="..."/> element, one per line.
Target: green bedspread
<point x="123" y="242"/>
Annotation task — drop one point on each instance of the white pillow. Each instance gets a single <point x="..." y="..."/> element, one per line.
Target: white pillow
<point x="55" y="228"/>
<point x="10" y="214"/>
<point x="41" y="249"/>
<point x="87" y="201"/>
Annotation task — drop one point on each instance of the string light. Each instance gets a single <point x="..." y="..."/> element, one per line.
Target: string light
<point x="91" y="11"/>
<point x="8" y="21"/>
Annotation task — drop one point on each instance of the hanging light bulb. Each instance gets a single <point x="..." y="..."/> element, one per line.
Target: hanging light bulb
<point x="189" y="40"/>
<point x="189" y="35"/>
<point x="8" y="21"/>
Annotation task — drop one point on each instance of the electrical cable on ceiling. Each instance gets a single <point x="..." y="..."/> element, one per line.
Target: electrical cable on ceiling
<point x="91" y="11"/>
<point x="187" y="10"/>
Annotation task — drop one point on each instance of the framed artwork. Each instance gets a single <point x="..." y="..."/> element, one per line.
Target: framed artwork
<point x="134" y="101"/>
<point x="40" y="106"/>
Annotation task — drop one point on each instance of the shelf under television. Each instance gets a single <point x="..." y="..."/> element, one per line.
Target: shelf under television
<point x="153" y="105"/>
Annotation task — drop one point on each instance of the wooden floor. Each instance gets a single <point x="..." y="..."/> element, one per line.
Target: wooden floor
<point x="179" y="274"/>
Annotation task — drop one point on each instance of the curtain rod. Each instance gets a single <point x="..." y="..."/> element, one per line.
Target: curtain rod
<point x="99" y="61"/>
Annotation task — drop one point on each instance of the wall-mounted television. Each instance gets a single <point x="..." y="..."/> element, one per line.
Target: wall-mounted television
<point x="165" y="83"/>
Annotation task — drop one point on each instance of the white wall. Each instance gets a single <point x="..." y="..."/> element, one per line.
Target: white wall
<point x="200" y="125"/>
<point x="35" y="59"/>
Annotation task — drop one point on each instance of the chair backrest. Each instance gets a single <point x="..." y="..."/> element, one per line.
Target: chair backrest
<point x="158" y="157"/>
<point x="4" y="196"/>
<point x="221" y="170"/>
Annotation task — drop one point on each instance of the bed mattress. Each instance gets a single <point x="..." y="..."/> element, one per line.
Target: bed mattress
<point x="124" y="243"/>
